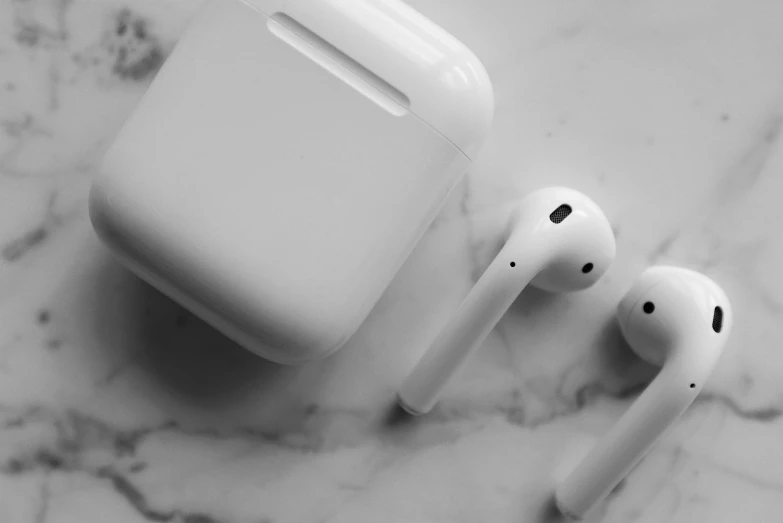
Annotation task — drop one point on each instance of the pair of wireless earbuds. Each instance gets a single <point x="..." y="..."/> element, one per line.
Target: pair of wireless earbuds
<point x="561" y="241"/>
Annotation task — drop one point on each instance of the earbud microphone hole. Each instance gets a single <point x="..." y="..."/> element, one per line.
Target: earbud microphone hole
<point x="587" y="268"/>
<point x="648" y="307"/>
<point x="693" y="385"/>
<point x="513" y="264"/>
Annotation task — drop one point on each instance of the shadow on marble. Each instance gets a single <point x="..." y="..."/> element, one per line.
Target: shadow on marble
<point x="534" y="301"/>
<point x="549" y="513"/>
<point x="190" y="356"/>
<point x="135" y="323"/>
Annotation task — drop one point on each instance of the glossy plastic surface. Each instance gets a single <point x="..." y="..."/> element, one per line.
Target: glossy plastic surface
<point x="678" y="334"/>
<point x="446" y="85"/>
<point x="538" y="251"/>
<point x="275" y="176"/>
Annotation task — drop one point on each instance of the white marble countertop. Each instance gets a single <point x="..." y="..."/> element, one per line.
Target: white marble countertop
<point x="117" y="405"/>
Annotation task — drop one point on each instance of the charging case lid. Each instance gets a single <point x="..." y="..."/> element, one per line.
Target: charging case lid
<point x="430" y="72"/>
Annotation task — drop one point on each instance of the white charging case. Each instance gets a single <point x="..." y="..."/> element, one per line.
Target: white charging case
<point x="285" y="161"/>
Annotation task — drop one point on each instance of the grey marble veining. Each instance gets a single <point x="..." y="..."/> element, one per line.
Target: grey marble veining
<point x="118" y="405"/>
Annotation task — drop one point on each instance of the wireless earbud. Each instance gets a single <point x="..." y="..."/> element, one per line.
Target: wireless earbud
<point x="673" y="317"/>
<point x="559" y="241"/>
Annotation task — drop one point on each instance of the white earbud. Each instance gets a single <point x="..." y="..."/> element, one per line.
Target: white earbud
<point x="673" y="317"/>
<point x="559" y="241"/>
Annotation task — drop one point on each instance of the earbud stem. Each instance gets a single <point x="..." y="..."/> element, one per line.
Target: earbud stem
<point x="656" y="409"/>
<point x="478" y="314"/>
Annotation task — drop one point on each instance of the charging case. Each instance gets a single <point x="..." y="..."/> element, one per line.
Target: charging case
<point x="285" y="161"/>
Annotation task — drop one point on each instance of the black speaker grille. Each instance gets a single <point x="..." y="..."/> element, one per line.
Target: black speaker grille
<point x="560" y="214"/>
<point x="717" y="319"/>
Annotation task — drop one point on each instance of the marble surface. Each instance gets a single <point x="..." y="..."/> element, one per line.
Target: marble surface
<point x="118" y="405"/>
